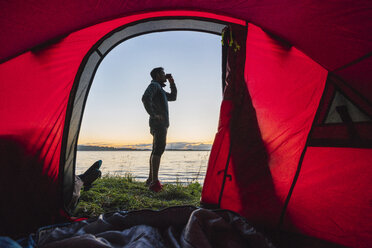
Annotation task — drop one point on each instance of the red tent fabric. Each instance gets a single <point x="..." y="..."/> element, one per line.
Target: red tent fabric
<point x="285" y="102"/>
<point x="339" y="186"/>
<point x="294" y="142"/>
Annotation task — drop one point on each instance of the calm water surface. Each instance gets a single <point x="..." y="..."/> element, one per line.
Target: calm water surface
<point x="175" y="166"/>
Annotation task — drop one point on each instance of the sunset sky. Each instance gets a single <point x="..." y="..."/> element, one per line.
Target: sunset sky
<point x="114" y="114"/>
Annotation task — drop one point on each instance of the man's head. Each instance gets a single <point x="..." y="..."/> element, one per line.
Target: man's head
<point x="158" y="74"/>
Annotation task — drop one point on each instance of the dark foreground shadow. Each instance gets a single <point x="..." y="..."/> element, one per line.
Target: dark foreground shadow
<point x="28" y="196"/>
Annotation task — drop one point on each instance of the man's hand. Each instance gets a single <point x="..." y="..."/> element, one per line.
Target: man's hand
<point x="170" y="79"/>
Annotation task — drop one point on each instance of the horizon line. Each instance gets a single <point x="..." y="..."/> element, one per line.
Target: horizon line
<point x="108" y="144"/>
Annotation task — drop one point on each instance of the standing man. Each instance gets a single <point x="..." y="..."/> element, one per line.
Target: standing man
<point x="155" y="100"/>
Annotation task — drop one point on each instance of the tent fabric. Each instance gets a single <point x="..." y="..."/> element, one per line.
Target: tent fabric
<point x="304" y="164"/>
<point x="328" y="201"/>
<point x="285" y="100"/>
<point x="248" y="170"/>
<point x="345" y="38"/>
<point x="358" y="76"/>
<point x="272" y="128"/>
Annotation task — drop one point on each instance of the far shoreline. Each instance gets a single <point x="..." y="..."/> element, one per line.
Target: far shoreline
<point x="140" y="150"/>
<point x="83" y="148"/>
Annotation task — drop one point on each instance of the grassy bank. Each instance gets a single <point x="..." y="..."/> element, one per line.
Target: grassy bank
<point x="112" y="193"/>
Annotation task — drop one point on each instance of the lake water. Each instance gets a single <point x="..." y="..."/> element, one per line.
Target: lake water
<point x="175" y="166"/>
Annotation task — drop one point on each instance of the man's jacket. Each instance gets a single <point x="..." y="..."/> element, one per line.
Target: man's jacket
<point x="155" y="100"/>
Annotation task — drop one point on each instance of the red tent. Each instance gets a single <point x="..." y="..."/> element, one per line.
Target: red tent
<point x="293" y="148"/>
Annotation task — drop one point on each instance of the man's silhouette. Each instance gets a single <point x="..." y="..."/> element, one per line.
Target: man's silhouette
<point x="155" y="100"/>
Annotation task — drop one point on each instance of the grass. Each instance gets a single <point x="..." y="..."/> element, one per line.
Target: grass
<point x="113" y="193"/>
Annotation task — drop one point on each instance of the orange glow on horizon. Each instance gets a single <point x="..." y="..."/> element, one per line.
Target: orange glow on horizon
<point x="137" y="143"/>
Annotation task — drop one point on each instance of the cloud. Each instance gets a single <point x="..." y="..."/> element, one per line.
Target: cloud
<point x="188" y="146"/>
<point x="138" y="146"/>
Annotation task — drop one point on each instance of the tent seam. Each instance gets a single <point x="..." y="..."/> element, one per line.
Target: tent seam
<point x="354" y="62"/>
